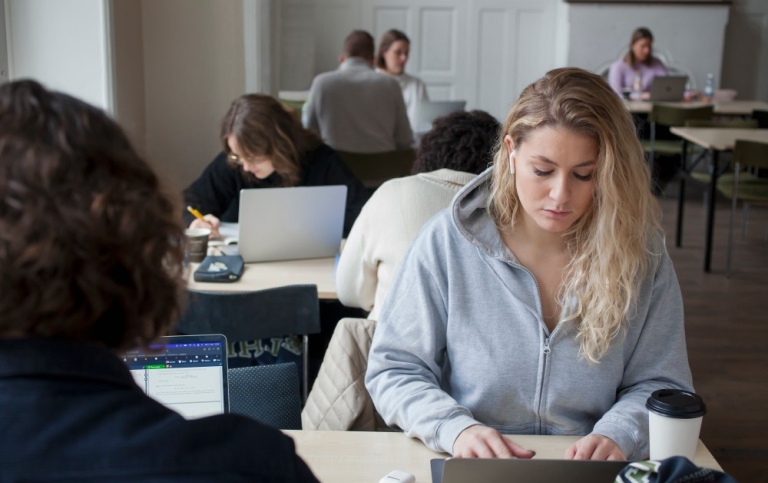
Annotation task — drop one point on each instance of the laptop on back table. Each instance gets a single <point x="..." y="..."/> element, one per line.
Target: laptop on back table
<point x="291" y="223"/>
<point x="669" y="88"/>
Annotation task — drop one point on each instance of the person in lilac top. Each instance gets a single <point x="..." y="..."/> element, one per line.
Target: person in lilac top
<point x="639" y="59"/>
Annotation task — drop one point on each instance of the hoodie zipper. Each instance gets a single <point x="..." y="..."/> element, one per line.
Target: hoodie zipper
<point x="546" y="351"/>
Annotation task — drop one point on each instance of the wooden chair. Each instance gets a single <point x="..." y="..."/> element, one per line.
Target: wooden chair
<point x="255" y="315"/>
<point x="375" y="168"/>
<point x="703" y="176"/>
<point x="746" y="155"/>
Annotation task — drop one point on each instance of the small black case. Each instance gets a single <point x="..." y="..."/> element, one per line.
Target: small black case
<point x="221" y="269"/>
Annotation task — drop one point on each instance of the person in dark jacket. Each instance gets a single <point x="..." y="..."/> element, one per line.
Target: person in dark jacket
<point x="266" y="147"/>
<point x="91" y="252"/>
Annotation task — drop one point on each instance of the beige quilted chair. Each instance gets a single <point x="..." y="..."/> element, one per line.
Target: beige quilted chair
<point x="338" y="400"/>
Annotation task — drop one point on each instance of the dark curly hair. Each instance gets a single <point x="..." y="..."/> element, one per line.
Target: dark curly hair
<point x="90" y="246"/>
<point x="461" y="141"/>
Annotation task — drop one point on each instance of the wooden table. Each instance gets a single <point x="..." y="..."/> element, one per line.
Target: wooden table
<point x="724" y="108"/>
<point x="358" y="457"/>
<point x="264" y="275"/>
<point x="715" y="140"/>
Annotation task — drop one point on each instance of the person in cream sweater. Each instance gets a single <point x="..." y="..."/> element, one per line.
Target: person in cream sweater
<point x="450" y="155"/>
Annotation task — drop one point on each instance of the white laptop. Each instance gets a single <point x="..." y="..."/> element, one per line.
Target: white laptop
<point x="428" y="111"/>
<point x="187" y="373"/>
<point x="668" y="88"/>
<point x="291" y="223"/>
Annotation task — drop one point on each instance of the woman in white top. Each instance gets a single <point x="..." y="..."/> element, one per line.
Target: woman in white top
<point x="391" y="59"/>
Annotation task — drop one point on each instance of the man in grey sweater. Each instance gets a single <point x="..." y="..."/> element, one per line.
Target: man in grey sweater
<point x="356" y="109"/>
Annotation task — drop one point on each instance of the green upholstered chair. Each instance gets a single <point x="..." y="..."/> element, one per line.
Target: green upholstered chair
<point x="689" y="170"/>
<point x="747" y="155"/>
<point x="670" y="115"/>
<point x="375" y="168"/>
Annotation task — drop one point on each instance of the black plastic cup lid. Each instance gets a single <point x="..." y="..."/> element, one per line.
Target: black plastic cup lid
<point x="676" y="403"/>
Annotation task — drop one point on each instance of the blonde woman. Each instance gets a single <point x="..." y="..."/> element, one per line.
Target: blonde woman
<point x="543" y="300"/>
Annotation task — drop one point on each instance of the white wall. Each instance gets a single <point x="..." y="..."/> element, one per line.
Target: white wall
<point x="745" y="65"/>
<point x="65" y="44"/>
<point x="693" y="34"/>
<point x="128" y="48"/>
<point x="3" y="45"/>
<point x="193" y="70"/>
<point x="481" y="51"/>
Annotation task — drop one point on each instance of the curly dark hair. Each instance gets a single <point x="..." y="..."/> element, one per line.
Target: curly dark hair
<point x="90" y="245"/>
<point x="461" y="141"/>
<point x="263" y="127"/>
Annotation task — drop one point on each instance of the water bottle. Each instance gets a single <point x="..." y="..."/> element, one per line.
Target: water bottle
<point x="637" y="86"/>
<point x="709" y="88"/>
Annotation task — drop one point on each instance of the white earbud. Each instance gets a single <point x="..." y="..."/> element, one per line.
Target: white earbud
<point x="512" y="161"/>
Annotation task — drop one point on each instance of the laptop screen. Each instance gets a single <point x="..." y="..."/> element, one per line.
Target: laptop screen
<point x="186" y="373"/>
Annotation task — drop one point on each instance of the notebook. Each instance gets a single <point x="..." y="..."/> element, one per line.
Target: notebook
<point x="668" y="88"/>
<point x="291" y="223"/>
<point x="428" y="111"/>
<point x="462" y="470"/>
<point x="186" y="373"/>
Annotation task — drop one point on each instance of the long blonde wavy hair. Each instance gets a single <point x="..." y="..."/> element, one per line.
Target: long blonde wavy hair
<point x="609" y="244"/>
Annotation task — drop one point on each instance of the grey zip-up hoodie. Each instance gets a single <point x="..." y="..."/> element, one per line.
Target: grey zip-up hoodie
<point x="461" y="341"/>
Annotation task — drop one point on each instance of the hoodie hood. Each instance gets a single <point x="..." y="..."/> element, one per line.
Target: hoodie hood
<point x="470" y="215"/>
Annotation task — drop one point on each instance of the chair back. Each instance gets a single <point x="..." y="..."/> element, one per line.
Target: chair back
<point x="751" y="154"/>
<point x="375" y="168"/>
<point x="737" y="124"/>
<point x="262" y="314"/>
<point x="252" y="315"/>
<point x="269" y="394"/>
<point x="667" y="115"/>
<point x="761" y="117"/>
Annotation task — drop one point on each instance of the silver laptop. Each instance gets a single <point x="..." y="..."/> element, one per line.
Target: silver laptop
<point x="463" y="470"/>
<point x="187" y="373"/>
<point x="668" y="88"/>
<point x="428" y="111"/>
<point x="291" y="223"/>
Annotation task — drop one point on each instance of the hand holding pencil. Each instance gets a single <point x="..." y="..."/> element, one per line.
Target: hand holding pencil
<point x="205" y="221"/>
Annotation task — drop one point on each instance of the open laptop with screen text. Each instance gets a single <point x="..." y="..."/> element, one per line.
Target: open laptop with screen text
<point x="291" y="223"/>
<point x="186" y="373"/>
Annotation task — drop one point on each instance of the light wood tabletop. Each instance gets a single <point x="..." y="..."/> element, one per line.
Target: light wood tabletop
<point x="358" y="456"/>
<point x="265" y="275"/>
<point x="725" y="108"/>
<point x="715" y="140"/>
<point x="719" y="139"/>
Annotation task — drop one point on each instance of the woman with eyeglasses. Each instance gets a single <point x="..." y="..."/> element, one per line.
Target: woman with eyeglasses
<point x="265" y="147"/>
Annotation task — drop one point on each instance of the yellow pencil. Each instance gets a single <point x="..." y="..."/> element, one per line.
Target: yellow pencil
<point x="197" y="214"/>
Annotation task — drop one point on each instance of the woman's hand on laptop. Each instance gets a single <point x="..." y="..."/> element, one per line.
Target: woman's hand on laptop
<point x="595" y="447"/>
<point x="210" y="222"/>
<point x="480" y="441"/>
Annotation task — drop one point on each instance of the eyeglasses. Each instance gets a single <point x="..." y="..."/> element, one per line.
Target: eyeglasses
<point x="242" y="161"/>
<point x="233" y="157"/>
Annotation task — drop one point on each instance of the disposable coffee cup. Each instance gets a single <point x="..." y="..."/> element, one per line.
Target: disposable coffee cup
<point x="674" y="419"/>
<point x="197" y="244"/>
